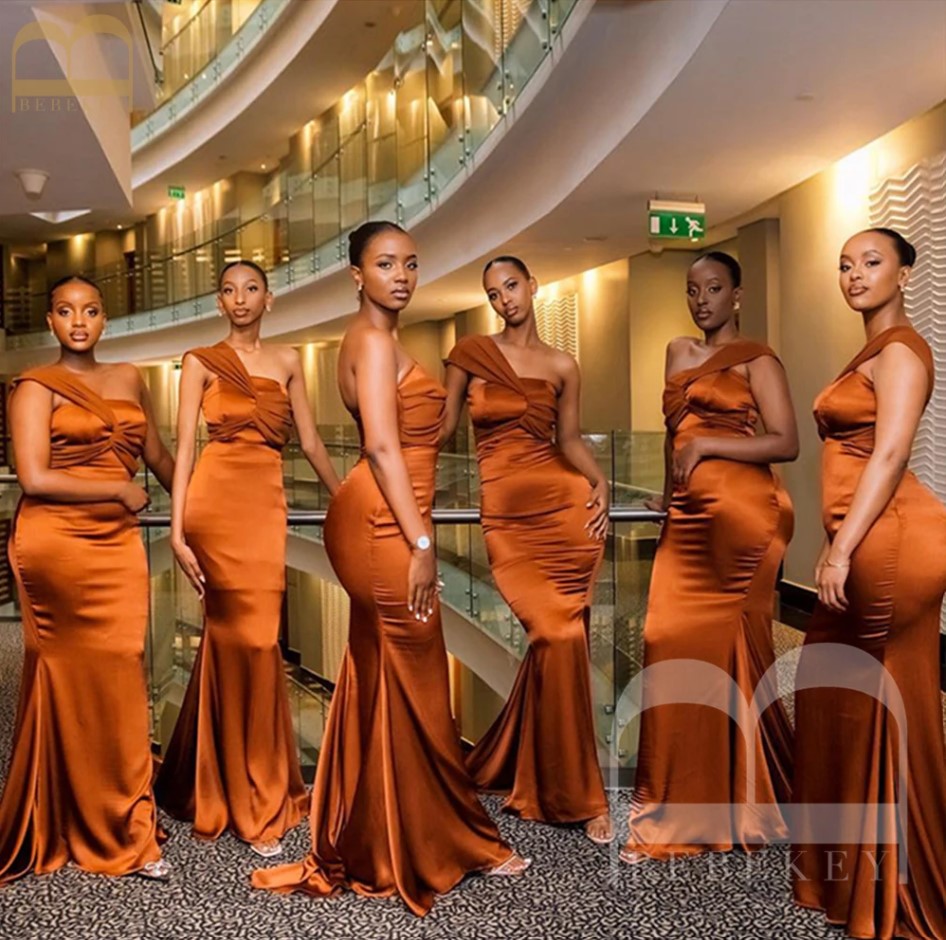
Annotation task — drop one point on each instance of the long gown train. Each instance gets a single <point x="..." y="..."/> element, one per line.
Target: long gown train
<point x="848" y="741"/>
<point x="78" y="789"/>
<point x="393" y="810"/>
<point x="232" y="761"/>
<point x="541" y="750"/>
<point x="711" y="766"/>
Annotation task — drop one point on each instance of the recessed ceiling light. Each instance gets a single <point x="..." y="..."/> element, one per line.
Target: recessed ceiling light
<point x="262" y="166"/>
<point x="805" y="96"/>
<point x="54" y="218"/>
<point x="370" y="24"/>
<point x="596" y="238"/>
<point x="120" y="227"/>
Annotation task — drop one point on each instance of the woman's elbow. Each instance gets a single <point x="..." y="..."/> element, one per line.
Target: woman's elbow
<point x="31" y="484"/>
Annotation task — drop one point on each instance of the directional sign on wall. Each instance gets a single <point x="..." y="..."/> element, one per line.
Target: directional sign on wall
<point x="668" y="219"/>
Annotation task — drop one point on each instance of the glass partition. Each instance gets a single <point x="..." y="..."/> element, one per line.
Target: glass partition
<point x="389" y="148"/>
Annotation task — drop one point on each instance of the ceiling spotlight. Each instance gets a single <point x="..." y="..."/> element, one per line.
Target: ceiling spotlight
<point x="32" y="181"/>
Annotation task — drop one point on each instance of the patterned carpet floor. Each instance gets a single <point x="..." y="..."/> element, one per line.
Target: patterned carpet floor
<point x="574" y="890"/>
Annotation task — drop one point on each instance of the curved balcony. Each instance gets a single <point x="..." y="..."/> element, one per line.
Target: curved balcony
<point x="395" y="146"/>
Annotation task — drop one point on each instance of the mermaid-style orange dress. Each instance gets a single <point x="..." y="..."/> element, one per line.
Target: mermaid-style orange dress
<point x="708" y="636"/>
<point x="541" y="749"/>
<point x="232" y="761"/>
<point x="393" y="809"/>
<point x="887" y="763"/>
<point x="78" y="788"/>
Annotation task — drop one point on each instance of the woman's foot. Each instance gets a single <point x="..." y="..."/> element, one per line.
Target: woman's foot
<point x="156" y="871"/>
<point x="600" y="829"/>
<point x="630" y="857"/>
<point x="513" y="866"/>
<point x="269" y="849"/>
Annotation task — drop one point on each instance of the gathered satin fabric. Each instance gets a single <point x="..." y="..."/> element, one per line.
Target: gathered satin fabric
<point x="541" y="749"/>
<point x="232" y="761"/>
<point x="848" y="743"/>
<point x="708" y="632"/>
<point x="393" y="809"/>
<point x="78" y="788"/>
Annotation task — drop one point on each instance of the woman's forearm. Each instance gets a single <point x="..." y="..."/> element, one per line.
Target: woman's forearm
<point x="877" y="484"/>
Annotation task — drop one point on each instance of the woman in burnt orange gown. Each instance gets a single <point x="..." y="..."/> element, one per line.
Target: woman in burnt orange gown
<point x="712" y="768"/>
<point x="869" y="729"/>
<point x="78" y="790"/>
<point x="545" y="516"/>
<point x="393" y="810"/>
<point x="232" y="761"/>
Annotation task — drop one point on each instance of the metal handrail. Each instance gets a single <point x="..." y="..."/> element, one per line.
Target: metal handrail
<point x="306" y="517"/>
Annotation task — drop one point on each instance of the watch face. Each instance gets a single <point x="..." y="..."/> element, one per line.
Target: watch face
<point x="423" y="543"/>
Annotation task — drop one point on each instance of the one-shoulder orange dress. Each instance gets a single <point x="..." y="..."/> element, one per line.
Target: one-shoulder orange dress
<point x="870" y="761"/>
<point x="232" y="761"/>
<point x="393" y="809"/>
<point x="78" y="788"/>
<point x="714" y="758"/>
<point x="541" y="749"/>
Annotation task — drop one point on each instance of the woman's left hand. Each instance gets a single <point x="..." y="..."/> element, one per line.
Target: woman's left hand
<point x="831" y="581"/>
<point x="598" y="503"/>
<point x="685" y="460"/>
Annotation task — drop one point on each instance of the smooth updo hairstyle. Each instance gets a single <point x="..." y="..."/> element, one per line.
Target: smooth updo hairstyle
<point x="508" y="259"/>
<point x="68" y="279"/>
<point x="240" y="263"/>
<point x="359" y="239"/>
<point x="905" y="251"/>
<point x="727" y="261"/>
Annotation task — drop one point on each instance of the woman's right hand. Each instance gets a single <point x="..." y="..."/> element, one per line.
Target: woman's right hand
<point x="655" y="503"/>
<point x="133" y="497"/>
<point x="189" y="565"/>
<point x="422" y="583"/>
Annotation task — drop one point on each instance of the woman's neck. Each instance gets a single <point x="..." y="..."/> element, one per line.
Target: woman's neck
<point x="525" y="334"/>
<point x="244" y="338"/>
<point x="78" y="361"/>
<point x="722" y="336"/>
<point x="883" y="318"/>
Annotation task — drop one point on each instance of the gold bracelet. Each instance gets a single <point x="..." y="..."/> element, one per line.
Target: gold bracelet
<point x="836" y="564"/>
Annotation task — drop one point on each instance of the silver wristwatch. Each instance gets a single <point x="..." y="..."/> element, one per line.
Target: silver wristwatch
<point x="423" y="543"/>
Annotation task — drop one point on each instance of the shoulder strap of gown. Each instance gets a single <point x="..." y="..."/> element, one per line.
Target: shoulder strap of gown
<point x="223" y="361"/>
<point x="480" y="356"/>
<point x="896" y="334"/>
<point x="61" y="381"/>
<point x="732" y="354"/>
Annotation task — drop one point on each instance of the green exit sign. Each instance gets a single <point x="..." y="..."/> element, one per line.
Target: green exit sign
<point x="176" y="192"/>
<point x="676" y="219"/>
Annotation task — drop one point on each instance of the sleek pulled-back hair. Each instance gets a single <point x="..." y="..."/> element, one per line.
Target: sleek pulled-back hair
<point x="508" y="259"/>
<point x="727" y="261"/>
<point x="359" y="239"/>
<point x="68" y="279"/>
<point x="905" y="251"/>
<point x="241" y="263"/>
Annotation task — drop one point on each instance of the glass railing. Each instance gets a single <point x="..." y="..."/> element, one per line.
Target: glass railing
<point x="391" y="148"/>
<point x="315" y="614"/>
<point x="201" y="53"/>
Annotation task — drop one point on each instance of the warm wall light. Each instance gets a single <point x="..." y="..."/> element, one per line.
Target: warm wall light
<point x="853" y="176"/>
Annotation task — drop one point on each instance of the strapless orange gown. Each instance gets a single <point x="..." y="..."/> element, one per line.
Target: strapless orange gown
<point x="78" y="788"/>
<point x="393" y="810"/>
<point x="541" y="749"/>
<point x="232" y="761"/>
<point x="709" y="627"/>
<point x="848" y="745"/>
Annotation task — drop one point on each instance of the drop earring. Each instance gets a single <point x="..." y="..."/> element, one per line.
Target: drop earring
<point x="736" y="306"/>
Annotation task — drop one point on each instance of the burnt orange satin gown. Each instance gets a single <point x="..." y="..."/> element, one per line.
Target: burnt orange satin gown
<point x="78" y="788"/>
<point x="709" y="626"/>
<point x="848" y="745"/>
<point x="232" y="761"/>
<point x="541" y="749"/>
<point x="393" y="809"/>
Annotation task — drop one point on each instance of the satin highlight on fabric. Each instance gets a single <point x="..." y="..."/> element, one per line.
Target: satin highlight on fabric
<point x="393" y="810"/>
<point x="232" y="762"/>
<point x="542" y="750"/>
<point x="78" y="789"/>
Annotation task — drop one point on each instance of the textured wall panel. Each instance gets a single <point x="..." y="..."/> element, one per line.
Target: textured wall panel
<point x="557" y="320"/>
